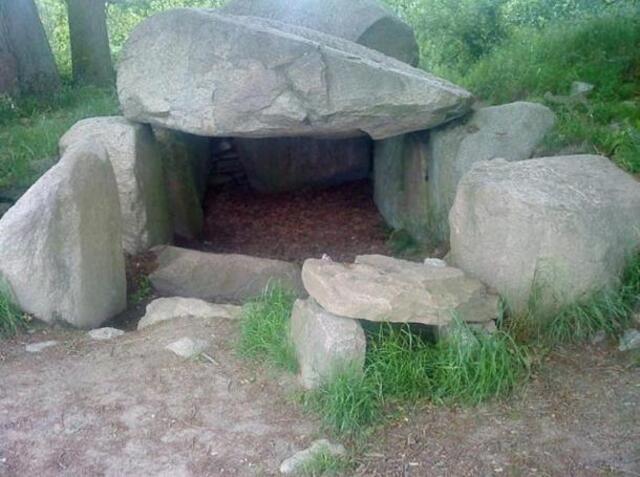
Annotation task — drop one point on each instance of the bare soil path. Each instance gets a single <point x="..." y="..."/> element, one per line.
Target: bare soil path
<point x="127" y="407"/>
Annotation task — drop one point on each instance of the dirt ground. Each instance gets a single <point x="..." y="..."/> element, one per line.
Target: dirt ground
<point x="340" y="221"/>
<point x="127" y="407"/>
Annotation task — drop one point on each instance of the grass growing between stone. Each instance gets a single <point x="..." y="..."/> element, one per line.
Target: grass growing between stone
<point x="609" y="311"/>
<point x="30" y="128"/>
<point x="402" y="367"/>
<point x="12" y="319"/>
<point x="264" y="329"/>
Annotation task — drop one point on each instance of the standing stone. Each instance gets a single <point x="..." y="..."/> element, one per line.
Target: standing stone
<point x="560" y="226"/>
<point x="137" y="165"/>
<point x="366" y="22"/>
<point x="379" y="288"/>
<point x="61" y="243"/>
<point x="324" y="342"/>
<point x="220" y="277"/>
<point x="284" y="164"/>
<point x="400" y="168"/>
<point x="510" y="131"/>
<point x="251" y="77"/>
<point x="187" y="161"/>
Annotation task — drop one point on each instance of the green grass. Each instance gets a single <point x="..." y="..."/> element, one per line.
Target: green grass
<point x="608" y="310"/>
<point x="324" y="464"/>
<point x="30" y="128"/>
<point x="603" y="51"/>
<point x="12" y="320"/>
<point x="402" y="367"/>
<point x="144" y="290"/>
<point x="264" y="329"/>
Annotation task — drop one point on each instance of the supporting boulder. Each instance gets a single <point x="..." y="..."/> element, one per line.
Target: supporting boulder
<point x="135" y="158"/>
<point x="210" y="74"/>
<point x="220" y="277"/>
<point x="509" y="131"/>
<point x="366" y="22"/>
<point x="61" y="243"/>
<point x="324" y="342"/>
<point x="379" y="288"/>
<point x="559" y="227"/>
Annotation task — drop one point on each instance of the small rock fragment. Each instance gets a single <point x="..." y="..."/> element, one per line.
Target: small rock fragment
<point x="37" y="347"/>
<point x="580" y="88"/>
<point x="102" y="334"/>
<point x="187" y="347"/>
<point x="630" y="340"/>
<point x="599" y="337"/>
<point x="297" y="462"/>
<point x="164" y="309"/>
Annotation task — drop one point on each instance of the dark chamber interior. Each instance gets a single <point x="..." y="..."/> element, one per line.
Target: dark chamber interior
<point x="292" y="199"/>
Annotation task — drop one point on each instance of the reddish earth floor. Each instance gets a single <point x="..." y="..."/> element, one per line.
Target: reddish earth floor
<point x="341" y="221"/>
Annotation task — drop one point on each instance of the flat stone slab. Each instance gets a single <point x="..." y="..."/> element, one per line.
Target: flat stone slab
<point x="164" y="309"/>
<point x="211" y="74"/>
<point x="102" y="334"/>
<point x="379" y="288"/>
<point x="321" y="447"/>
<point x="220" y="277"/>
<point x="37" y="347"/>
<point x="187" y="347"/>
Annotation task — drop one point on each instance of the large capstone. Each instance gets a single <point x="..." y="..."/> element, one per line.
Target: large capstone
<point x="366" y="22"/>
<point x="210" y="74"/>
<point x="61" y="244"/>
<point x="325" y="343"/>
<point x="135" y="158"/>
<point x="379" y="288"/>
<point x="559" y="227"/>
<point x="220" y="277"/>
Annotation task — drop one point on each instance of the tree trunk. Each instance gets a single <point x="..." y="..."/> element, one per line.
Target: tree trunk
<point x="90" y="53"/>
<point x="25" y="53"/>
<point x="8" y="65"/>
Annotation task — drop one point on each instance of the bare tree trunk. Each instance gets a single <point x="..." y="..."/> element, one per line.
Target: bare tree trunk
<point x="8" y="64"/>
<point x="90" y="53"/>
<point x="25" y="48"/>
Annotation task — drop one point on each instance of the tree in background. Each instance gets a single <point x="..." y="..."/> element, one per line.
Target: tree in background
<point x="90" y="52"/>
<point x="27" y="63"/>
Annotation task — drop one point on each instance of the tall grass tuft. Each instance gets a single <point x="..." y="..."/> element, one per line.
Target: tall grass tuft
<point x="264" y="329"/>
<point x="11" y="318"/>
<point x="465" y="367"/>
<point x="609" y="310"/>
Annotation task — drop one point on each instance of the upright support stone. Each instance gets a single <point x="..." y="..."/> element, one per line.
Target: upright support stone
<point x="61" y="244"/>
<point x="137" y="165"/>
<point x="187" y="161"/>
<point x="324" y="342"/>
<point x="400" y="168"/>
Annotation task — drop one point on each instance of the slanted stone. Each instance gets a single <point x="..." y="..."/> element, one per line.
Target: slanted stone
<point x="61" y="243"/>
<point x="210" y="74"/>
<point x="164" y="309"/>
<point x="220" y="277"/>
<point x="324" y="342"/>
<point x="135" y="158"/>
<point x="366" y="22"/>
<point x="379" y="288"/>
<point x="562" y="227"/>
